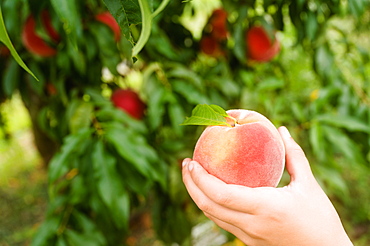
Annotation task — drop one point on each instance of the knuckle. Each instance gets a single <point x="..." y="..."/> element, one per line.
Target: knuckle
<point x="298" y="151"/>
<point x="204" y="206"/>
<point x="256" y="232"/>
<point x="222" y="198"/>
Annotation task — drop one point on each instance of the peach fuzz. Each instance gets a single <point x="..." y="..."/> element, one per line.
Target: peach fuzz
<point x="250" y="153"/>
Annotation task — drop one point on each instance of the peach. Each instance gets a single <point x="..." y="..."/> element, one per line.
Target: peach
<point x="129" y="101"/>
<point x="47" y="23"/>
<point x="250" y="152"/>
<point x="260" y="46"/>
<point x="210" y="46"/>
<point x="33" y="42"/>
<point x="111" y="22"/>
<point x="218" y="23"/>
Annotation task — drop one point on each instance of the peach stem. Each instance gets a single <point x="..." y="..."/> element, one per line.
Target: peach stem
<point x="234" y="121"/>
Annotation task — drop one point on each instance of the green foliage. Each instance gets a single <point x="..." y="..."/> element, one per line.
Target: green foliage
<point x="126" y="13"/>
<point x="109" y="165"/>
<point x="4" y="38"/>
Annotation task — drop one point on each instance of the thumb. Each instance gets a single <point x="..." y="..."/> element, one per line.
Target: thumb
<point x="297" y="164"/>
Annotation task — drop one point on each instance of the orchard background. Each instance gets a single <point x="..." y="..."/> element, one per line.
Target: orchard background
<point x="116" y="78"/>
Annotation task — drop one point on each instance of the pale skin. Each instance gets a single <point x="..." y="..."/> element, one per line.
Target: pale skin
<point x="298" y="214"/>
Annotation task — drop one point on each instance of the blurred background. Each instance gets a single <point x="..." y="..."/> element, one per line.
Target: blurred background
<point x="90" y="153"/>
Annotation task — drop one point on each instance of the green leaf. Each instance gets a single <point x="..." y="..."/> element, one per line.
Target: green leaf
<point x="80" y="116"/>
<point x="117" y="9"/>
<point x="96" y="96"/>
<point x="239" y="35"/>
<point x="166" y="218"/>
<point x="4" y="38"/>
<point x="104" y="36"/>
<point x="61" y="242"/>
<point x="89" y="227"/>
<point x="345" y="121"/>
<point x="156" y="106"/>
<point x="126" y="144"/>
<point x="72" y="144"/>
<point x="144" y="158"/>
<point x="317" y="141"/>
<point x="11" y="11"/>
<point x="37" y="87"/>
<point x="298" y="111"/>
<point x="158" y="95"/>
<point x="185" y="74"/>
<point x="87" y="239"/>
<point x="78" y="191"/>
<point x="207" y="115"/>
<point x="312" y="26"/>
<point x="121" y="212"/>
<point x="177" y="115"/>
<point x="324" y="60"/>
<point x="126" y="12"/>
<point x="357" y="7"/>
<point x="333" y="179"/>
<point x="110" y="186"/>
<point x="190" y="92"/>
<point x="108" y="180"/>
<point x="227" y="85"/>
<point x="77" y="56"/>
<point x="176" y="188"/>
<point x="86" y="224"/>
<point x="218" y="110"/>
<point x="46" y="231"/>
<point x="68" y="13"/>
<point x="132" y="179"/>
<point x="344" y="145"/>
<point x="110" y="113"/>
<point x="11" y="78"/>
<point x="271" y="83"/>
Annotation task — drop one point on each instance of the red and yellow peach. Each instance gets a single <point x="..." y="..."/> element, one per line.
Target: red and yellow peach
<point x="250" y="152"/>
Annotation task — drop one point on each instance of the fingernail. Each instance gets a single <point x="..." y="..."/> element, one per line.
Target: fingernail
<point x="190" y="166"/>
<point x="285" y="132"/>
<point x="185" y="162"/>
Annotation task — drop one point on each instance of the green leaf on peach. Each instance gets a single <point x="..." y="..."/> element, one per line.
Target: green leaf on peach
<point x="207" y="115"/>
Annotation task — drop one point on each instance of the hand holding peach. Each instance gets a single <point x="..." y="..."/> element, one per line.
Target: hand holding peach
<point x="297" y="214"/>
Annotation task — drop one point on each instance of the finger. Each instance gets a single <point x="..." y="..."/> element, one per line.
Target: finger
<point x="206" y="204"/>
<point x="297" y="164"/>
<point x="235" y="197"/>
<point x="236" y="231"/>
<point x="186" y="161"/>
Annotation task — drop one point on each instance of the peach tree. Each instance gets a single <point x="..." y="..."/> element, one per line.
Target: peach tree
<point x="116" y="78"/>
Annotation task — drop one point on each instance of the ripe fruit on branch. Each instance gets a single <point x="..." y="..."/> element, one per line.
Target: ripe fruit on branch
<point x="51" y="89"/>
<point x="129" y="101"/>
<point x="46" y="22"/>
<point x="210" y="46"/>
<point x="247" y="150"/>
<point x="33" y="42"/>
<point x="260" y="46"/>
<point x="4" y="51"/>
<point x="218" y="22"/>
<point x="215" y="34"/>
<point x="109" y="20"/>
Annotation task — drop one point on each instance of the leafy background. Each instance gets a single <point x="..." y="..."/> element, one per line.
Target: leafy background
<point x="104" y="178"/>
